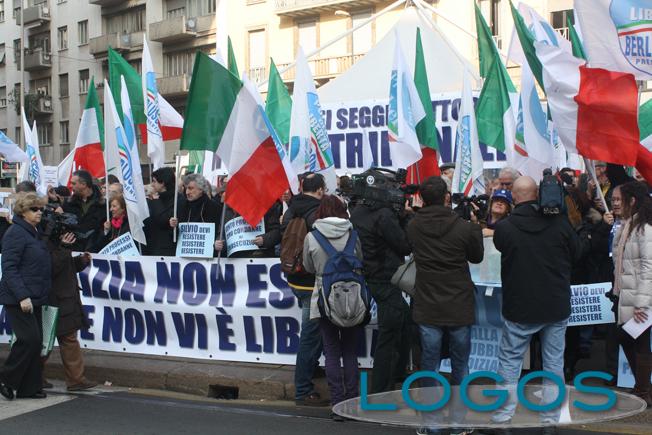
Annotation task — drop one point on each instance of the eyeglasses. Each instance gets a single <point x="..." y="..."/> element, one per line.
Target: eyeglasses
<point x="35" y="209"/>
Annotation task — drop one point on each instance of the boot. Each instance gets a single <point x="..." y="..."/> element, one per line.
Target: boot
<point x="643" y="388"/>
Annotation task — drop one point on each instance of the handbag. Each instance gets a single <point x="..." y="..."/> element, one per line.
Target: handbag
<point x="405" y="277"/>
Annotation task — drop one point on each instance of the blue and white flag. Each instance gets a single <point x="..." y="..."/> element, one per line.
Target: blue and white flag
<point x="310" y="146"/>
<point x="468" y="178"/>
<point x="155" y="144"/>
<point x="121" y="154"/>
<point x="33" y="171"/>
<point x="405" y="112"/>
<point x="11" y="151"/>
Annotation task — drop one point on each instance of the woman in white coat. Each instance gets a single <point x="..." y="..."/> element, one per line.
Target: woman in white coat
<point x="633" y="280"/>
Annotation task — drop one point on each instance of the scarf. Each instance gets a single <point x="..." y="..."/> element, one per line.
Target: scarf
<point x="116" y="222"/>
<point x="620" y="250"/>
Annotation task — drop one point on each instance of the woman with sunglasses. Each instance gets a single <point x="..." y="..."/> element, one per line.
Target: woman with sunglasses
<point x="24" y="287"/>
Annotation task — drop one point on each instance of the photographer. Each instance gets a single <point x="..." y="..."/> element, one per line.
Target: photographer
<point x="65" y="295"/>
<point x="384" y="246"/>
<point x="88" y="205"/>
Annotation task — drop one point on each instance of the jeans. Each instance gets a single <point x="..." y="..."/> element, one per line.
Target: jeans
<point x="310" y="347"/>
<point x="393" y="343"/>
<point x="515" y="342"/>
<point x="340" y="344"/>
<point x="460" y="350"/>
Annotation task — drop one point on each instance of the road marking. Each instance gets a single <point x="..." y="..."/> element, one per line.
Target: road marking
<point x="13" y="408"/>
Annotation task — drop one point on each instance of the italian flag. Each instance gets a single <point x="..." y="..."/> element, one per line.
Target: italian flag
<point x="595" y="110"/>
<point x="279" y="104"/>
<point x="225" y="116"/>
<point x="88" y="154"/>
<point x="495" y="114"/>
<point x="644" y="157"/>
<point x="428" y="165"/>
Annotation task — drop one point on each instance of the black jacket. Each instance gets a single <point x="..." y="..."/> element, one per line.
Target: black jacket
<point x="4" y="226"/>
<point x="303" y="206"/>
<point x="202" y="210"/>
<point x="271" y="238"/>
<point x="101" y="239"/>
<point x="65" y="289"/>
<point x="538" y="253"/>
<point x="26" y="265"/>
<point x="443" y="243"/>
<point x="384" y="243"/>
<point x="92" y="219"/>
<point x="157" y="226"/>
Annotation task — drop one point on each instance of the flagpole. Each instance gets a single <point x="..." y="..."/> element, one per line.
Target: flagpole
<point x="219" y="253"/>
<point x="176" y="194"/>
<point x="591" y="166"/>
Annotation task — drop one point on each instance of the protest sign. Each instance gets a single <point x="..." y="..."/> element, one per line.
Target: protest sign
<point x="196" y="240"/>
<point x="123" y="246"/>
<point x="50" y="176"/>
<point x="590" y="306"/>
<point x="240" y="235"/>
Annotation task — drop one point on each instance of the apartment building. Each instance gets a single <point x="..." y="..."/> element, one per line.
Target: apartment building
<point x="66" y="43"/>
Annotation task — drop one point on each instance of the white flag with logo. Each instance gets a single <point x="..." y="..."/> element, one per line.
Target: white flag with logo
<point x="33" y="171"/>
<point x="155" y="144"/>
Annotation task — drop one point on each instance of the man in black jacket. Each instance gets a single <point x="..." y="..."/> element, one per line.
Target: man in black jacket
<point x="157" y="227"/>
<point x="304" y="206"/>
<point x="88" y="205"/>
<point x="384" y="247"/>
<point x="538" y="253"/>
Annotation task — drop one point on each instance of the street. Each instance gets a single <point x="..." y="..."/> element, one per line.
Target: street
<point x="120" y="411"/>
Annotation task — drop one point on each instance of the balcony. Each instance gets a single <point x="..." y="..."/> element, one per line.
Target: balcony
<point x="299" y="8"/>
<point x="105" y="3"/>
<point x="37" y="59"/>
<point x="174" y="85"/>
<point x="42" y="105"/>
<point x="35" y="15"/>
<point x="99" y="46"/>
<point x="323" y="68"/>
<point x="173" y="30"/>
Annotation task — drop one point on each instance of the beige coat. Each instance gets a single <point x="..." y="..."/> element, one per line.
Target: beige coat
<point x="634" y="280"/>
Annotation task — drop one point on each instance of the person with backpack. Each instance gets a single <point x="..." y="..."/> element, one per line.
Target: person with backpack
<point x="297" y="221"/>
<point x="340" y="300"/>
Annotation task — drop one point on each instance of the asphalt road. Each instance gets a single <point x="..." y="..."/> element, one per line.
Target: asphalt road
<point x="145" y="412"/>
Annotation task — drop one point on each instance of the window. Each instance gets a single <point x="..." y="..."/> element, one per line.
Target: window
<point x="40" y="86"/>
<point x="133" y="20"/>
<point x="63" y="132"/>
<point x="257" y="56"/>
<point x="62" y="37"/>
<point x="63" y="85"/>
<point x="17" y="52"/>
<point x="83" y="81"/>
<point x="491" y="11"/>
<point x="40" y="40"/>
<point x="362" y="39"/>
<point x="307" y="36"/>
<point x="3" y="96"/>
<point x="60" y="1"/>
<point x="82" y="32"/>
<point x="2" y="10"/>
<point x="44" y="132"/>
<point x="3" y="54"/>
<point x="18" y="138"/>
<point x="558" y="21"/>
<point x="197" y="8"/>
<point x="177" y="63"/>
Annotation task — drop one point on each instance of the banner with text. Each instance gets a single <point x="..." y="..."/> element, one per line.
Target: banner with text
<point x="123" y="245"/>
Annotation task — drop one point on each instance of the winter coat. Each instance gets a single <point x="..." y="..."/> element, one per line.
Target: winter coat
<point x="337" y="231"/>
<point x="26" y="265"/>
<point x="91" y="215"/>
<point x="634" y="283"/>
<point x="271" y="237"/>
<point x="384" y="243"/>
<point x="303" y="206"/>
<point x="4" y="226"/>
<point x="101" y="240"/>
<point x="158" y="231"/>
<point x="538" y="253"/>
<point x="202" y="210"/>
<point x="443" y="244"/>
<point x="65" y="289"/>
<point x="596" y="266"/>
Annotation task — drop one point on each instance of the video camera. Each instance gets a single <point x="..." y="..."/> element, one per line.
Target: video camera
<point x="463" y="205"/>
<point x="379" y="187"/>
<point x="551" y="194"/>
<point x="57" y="224"/>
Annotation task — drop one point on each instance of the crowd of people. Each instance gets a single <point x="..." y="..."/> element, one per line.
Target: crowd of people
<point x="602" y="234"/>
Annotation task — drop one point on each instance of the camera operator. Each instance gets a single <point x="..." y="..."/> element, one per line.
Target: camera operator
<point x="384" y="247"/>
<point x="88" y="205"/>
<point x="65" y="295"/>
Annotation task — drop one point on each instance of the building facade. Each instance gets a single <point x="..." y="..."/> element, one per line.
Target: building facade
<point x="66" y="41"/>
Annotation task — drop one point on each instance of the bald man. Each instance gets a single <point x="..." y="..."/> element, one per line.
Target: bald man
<point x="537" y="255"/>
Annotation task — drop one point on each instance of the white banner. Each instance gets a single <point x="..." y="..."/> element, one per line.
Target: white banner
<point x="123" y="246"/>
<point x="240" y="235"/>
<point x="196" y="240"/>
